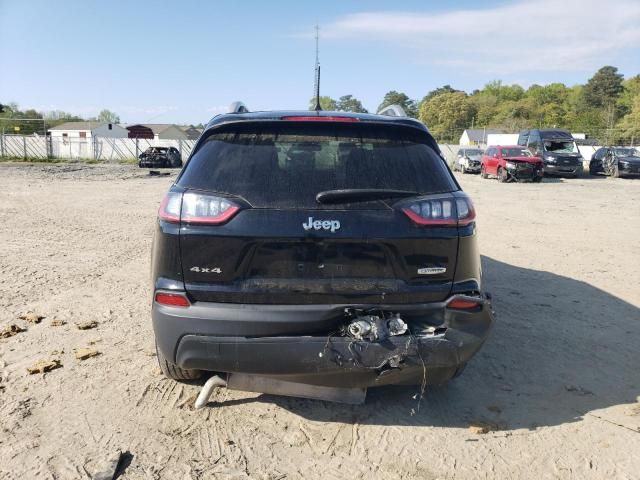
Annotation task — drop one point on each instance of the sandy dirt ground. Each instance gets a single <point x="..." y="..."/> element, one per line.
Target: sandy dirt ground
<point x="557" y="384"/>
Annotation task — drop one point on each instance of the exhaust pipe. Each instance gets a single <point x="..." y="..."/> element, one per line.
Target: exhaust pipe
<point x="207" y="390"/>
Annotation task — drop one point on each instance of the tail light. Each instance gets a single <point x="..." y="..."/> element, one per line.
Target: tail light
<point x="170" y="207"/>
<point x="463" y="304"/>
<point x="196" y="208"/>
<point x="441" y="211"/>
<point x="172" y="299"/>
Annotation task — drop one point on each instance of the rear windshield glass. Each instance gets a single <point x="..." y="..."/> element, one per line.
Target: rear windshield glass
<point x="286" y="165"/>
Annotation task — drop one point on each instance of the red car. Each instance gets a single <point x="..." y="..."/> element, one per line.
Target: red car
<point x="511" y="163"/>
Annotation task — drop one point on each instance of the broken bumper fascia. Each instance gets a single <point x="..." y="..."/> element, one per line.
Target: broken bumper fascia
<point x="430" y="353"/>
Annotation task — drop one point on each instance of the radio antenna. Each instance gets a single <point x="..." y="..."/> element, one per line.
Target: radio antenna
<point x="317" y="72"/>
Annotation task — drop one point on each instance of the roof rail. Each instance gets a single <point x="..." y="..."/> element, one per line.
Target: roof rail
<point x="238" y="107"/>
<point x="393" y="111"/>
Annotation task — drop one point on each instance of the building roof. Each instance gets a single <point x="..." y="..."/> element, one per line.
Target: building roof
<point x="480" y="134"/>
<point x="156" y="128"/>
<point x="192" y="133"/>
<point x="78" y="126"/>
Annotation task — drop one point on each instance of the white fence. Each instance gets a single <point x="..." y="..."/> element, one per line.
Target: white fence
<point x="123" y="149"/>
<point x="97" y="148"/>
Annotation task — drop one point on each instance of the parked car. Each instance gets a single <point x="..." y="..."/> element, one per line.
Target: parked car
<point x="557" y="148"/>
<point x="511" y="163"/>
<point x="468" y="160"/>
<point x="326" y="248"/>
<point x="615" y="161"/>
<point x="160" y="157"/>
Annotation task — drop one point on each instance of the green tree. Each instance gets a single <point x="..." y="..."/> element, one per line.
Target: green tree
<point x="631" y="90"/>
<point x="326" y="103"/>
<point x="603" y="88"/>
<point x="447" y="115"/>
<point x="348" y="103"/>
<point x="398" y="98"/>
<point x="630" y="123"/>
<point x="485" y="107"/>
<point x="502" y="92"/>
<point x="438" y="91"/>
<point x="108" y="116"/>
<point x="17" y="121"/>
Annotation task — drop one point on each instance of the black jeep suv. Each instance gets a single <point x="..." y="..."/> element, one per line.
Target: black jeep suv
<point x="322" y="248"/>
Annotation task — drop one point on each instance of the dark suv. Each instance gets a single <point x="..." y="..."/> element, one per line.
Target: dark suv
<point x="557" y="148"/>
<point x="322" y="248"/>
<point x="160" y="157"/>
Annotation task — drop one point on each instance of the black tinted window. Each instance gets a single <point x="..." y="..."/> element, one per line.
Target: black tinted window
<point x="286" y="165"/>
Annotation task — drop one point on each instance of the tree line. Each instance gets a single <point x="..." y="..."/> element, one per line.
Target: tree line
<point x="27" y="122"/>
<point x="606" y="107"/>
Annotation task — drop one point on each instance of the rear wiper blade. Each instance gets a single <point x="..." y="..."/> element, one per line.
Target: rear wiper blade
<point x="351" y="195"/>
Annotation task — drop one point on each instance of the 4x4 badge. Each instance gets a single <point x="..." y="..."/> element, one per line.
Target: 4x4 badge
<point x="431" y="270"/>
<point x="332" y="225"/>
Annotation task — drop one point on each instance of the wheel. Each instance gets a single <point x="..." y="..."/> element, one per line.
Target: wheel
<point x="176" y="162"/>
<point x="615" y="173"/>
<point x="483" y="172"/>
<point x="592" y="169"/>
<point x="503" y="176"/>
<point x="173" y="371"/>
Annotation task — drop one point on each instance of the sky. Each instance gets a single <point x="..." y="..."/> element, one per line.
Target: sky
<point x="183" y="62"/>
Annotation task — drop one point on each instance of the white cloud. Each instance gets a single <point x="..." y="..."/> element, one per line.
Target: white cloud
<point x="530" y="35"/>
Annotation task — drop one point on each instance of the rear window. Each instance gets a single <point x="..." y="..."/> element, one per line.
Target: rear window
<point x="285" y="165"/>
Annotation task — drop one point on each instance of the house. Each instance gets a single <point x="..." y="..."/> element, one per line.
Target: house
<point x="87" y="130"/>
<point x="157" y="131"/>
<point x="476" y="136"/>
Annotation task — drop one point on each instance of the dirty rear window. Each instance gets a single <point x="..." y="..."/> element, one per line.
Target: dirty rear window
<point x="285" y="165"/>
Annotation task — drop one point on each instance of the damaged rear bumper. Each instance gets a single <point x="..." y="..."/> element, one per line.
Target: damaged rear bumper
<point x="437" y="345"/>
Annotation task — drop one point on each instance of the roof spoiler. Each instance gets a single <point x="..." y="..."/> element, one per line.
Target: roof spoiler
<point x="238" y="107"/>
<point x="393" y="111"/>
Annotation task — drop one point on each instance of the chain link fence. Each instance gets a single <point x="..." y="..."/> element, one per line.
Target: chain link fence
<point x="39" y="147"/>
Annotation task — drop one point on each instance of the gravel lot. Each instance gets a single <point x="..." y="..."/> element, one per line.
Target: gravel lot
<point x="557" y="385"/>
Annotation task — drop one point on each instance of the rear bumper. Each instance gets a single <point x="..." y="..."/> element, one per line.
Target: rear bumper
<point x="262" y="340"/>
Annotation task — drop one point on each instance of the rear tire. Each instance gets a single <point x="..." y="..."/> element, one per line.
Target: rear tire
<point x="503" y="176"/>
<point x="174" y="372"/>
<point x="483" y="172"/>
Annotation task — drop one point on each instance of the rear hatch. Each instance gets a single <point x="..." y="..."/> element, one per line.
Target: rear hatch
<point x="280" y="245"/>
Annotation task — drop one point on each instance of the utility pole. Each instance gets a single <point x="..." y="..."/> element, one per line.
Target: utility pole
<point x="316" y="80"/>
